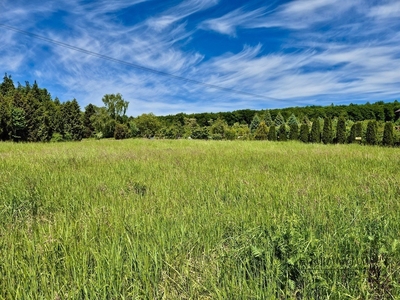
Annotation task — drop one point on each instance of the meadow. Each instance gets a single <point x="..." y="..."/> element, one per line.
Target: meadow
<point x="186" y="219"/>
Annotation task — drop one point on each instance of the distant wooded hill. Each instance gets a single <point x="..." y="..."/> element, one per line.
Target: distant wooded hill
<point x="29" y="113"/>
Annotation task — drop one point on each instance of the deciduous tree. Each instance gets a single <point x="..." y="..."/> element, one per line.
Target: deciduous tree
<point x="116" y="106"/>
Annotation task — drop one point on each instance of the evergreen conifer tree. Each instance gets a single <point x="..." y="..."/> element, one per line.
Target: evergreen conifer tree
<point x="279" y="120"/>
<point x="352" y="136"/>
<point x="255" y="122"/>
<point x="261" y="132"/>
<point x="18" y="122"/>
<point x="327" y="134"/>
<point x="388" y="134"/>
<point x="341" y="131"/>
<point x="88" y="130"/>
<point x="294" y="132"/>
<point x="73" y="128"/>
<point x="272" y="133"/>
<point x="358" y="129"/>
<point x="268" y="119"/>
<point x="292" y="120"/>
<point x="306" y="120"/>
<point x="315" y="134"/>
<point x="371" y="134"/>
<point x="7" y="87"/>
<point x="282" y="133"/>
<point x="304" y="131"/>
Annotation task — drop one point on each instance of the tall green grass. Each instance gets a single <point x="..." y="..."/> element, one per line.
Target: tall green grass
<point x="144" y="219"/>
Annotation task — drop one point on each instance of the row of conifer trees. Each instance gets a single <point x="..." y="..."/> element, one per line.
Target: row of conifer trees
<point x="328" y="135"/>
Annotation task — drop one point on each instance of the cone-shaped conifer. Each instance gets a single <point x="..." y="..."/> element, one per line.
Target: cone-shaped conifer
<point x="272" y="133"/>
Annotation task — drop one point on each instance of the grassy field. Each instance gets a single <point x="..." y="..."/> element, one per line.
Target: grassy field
<point x="151" y="219"/>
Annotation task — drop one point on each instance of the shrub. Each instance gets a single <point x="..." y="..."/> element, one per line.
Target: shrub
<point x="57" y="137"/>
<point x="121" y="131"/>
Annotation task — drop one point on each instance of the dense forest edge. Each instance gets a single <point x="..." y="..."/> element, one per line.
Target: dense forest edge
<point x="28" y="113"/>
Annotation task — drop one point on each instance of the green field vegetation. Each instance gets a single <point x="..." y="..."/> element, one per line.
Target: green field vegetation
<point x="180" y="219"/>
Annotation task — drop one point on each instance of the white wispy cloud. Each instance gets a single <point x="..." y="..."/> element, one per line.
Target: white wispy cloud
<point x="354" y="55"/>
<point x="228" y="23"/>
<point x="178" y="13"/>
<point x="387" y="10"/>
<point x="299" y="14"/>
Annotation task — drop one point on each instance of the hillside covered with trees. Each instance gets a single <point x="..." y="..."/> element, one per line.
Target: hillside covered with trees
<point x="29" y="113"/>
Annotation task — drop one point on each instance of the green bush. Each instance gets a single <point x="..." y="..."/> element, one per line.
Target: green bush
<point x="57" y="137"/>
<point x="121" y="132"/>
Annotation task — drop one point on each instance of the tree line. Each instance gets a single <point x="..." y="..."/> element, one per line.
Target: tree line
<point x="28" y="113"/>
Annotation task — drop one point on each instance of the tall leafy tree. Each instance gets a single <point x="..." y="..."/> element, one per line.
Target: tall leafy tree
<point x="388" y="134"/>
<point x="116" y="106"/>
<point x="341" y="131"/>
<point x="389" y="113"/>
<point x="218" y="128"/>
<point x="148" y="125"/>
<point x="327" y="134"/>
<point x="103" y="124"/>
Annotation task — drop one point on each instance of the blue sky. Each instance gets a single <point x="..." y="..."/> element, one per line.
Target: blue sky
<point x="293" y="53"/>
